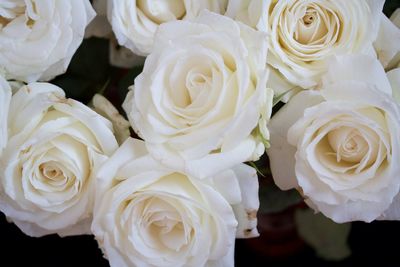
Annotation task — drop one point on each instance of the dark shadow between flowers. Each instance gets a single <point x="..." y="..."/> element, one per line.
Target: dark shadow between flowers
<point x="371" y="244"/>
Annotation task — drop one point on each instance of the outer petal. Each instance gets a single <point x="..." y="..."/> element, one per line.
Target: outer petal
<point x="281" y="153"/>
<point x="130" y="150"/>
<point x="5" y="98"/>
<point x="394" y="79"/>
<point x="387" y="44"/>
<point x="246" y="211"/>
<point x="280" y="85"/>
<point x="357" y="68"/>
<point x="26" y="102"/>
<point x="355" y="211"/>
<point x="393" y="212"/>
<point x="105" y="108"/>
<point x="252" y="13"/>
<point x="226" y="261"/>
<point x="81" y="228"/>
<point x="395" y="18"/>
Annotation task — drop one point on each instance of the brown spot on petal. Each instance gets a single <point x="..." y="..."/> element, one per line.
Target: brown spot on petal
<point x="26" y="150"/>
<point x="247" y="232"/>
<point x="251" y="214"/>
<point x="58" y="99"/>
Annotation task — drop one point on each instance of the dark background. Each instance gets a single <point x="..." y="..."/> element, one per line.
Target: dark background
<point x="376" y="243"/>
<point x="372" y="244"/>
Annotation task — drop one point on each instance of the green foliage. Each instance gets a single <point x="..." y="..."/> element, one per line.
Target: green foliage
<point x="390" y="6"/>
<point x="88" y="72"/>
<point x="273" y="199"/>
<point x="328" y="238"/>
<point x="127" y="80"/>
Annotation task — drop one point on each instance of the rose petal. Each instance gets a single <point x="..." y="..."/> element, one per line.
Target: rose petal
<point x="284" y="174"/>
<point x="387" y="43"/>
<point x="357" y="68"/>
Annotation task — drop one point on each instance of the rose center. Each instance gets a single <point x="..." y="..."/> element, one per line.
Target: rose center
<point x="164" y="225"/>
<point x="191" y="83"/>
<point x="348" y="144"/>
<point x="52" y="174"/>
<point x="308" y="19"/>
<point x="312" y="25"/>
<point x="195" y="84"/>
<point x="10" y="10"/>
<point x="161" y="11"/>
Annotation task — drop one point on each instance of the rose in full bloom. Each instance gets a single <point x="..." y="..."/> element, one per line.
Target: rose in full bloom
<point x="201" y="99"/>
<point x="340" y="146"/>
<point x="54" y="147"/>
<point x="149" y="215"/>
<point x="393" y="212"/>
<point x="5" y="97"/>
<point x="305" y="34"/>
<point x="39" y="38"/>
<point x="135" y="22"/>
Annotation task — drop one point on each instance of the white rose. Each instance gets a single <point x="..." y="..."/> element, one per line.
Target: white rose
<point x="5" y="97"/>
<point x="340" y="146"/>
<point x="54" y="146"/>
<point x="305" y="34"/>
<point x="147" y="215"/>
<point x="202" y="95"/>
<point x="39" y="38"/>
<point x="135" y="22"/>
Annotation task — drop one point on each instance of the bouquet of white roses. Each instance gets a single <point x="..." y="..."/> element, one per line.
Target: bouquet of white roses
<point x="212" y="87"/>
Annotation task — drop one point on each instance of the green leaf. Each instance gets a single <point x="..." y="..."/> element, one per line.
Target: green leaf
<point x="74" y="86"/>
<point x="252" y="164"/>
<point x="91" y="60"/>
<point x="127" y="80"/>
<point x="390" y="6"/>
<point x="326" y="237"/>
<point x="278" y="98"/>
<point x="88" y="71"/>
<point x="273" y="199"/>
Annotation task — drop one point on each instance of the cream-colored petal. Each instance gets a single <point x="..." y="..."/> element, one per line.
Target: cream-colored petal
<point x="387" y="44"/>
<point x="283" y="171"/>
